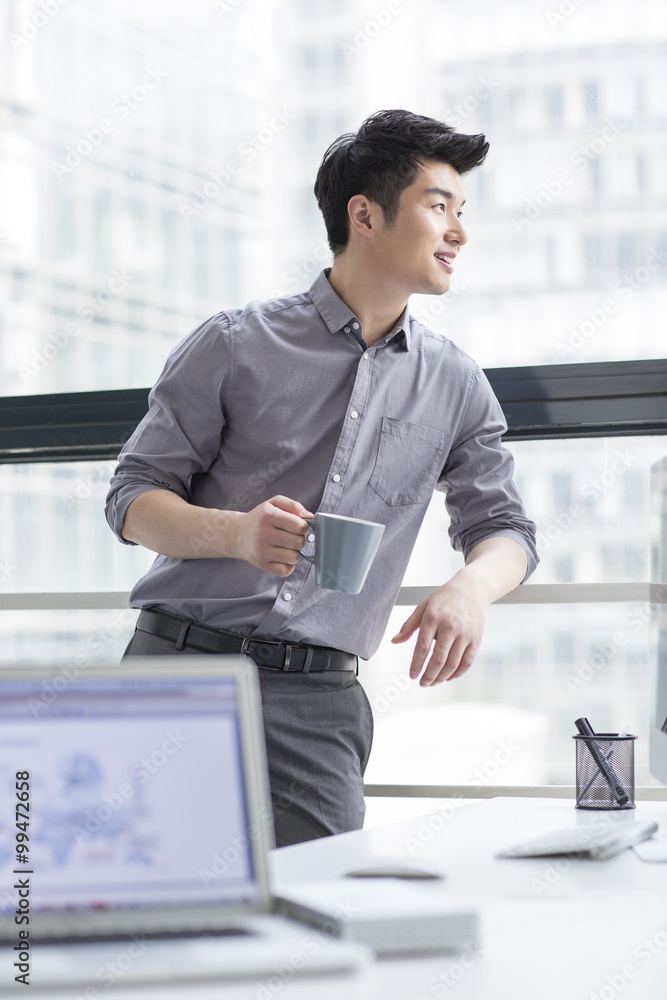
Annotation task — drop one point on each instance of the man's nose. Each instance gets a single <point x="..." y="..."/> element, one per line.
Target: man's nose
<point x="458" y="234"/>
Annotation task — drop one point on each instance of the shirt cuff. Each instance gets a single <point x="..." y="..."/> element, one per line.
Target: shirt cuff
<point x="531" y="555"/>
<point x="117" y="508"/>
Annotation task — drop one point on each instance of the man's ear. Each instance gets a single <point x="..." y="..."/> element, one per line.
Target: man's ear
<point x="364" y="216"/>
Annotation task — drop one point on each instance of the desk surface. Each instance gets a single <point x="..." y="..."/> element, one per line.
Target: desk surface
<point x="553" y="929"/>
<point x="550" y="928"/>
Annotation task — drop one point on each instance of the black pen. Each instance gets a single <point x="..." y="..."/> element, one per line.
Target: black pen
<point x="620" y="795"/>
<point x="591" y="781"/>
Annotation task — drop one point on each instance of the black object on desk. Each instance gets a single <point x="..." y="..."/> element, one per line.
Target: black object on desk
<point x="617" y="790"/>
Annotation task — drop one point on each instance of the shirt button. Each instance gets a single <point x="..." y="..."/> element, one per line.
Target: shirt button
<point x="346" y="329"/>
<point x="336" y="478"/>
<point x="355" y="326"/>
<point x="311" y="538"/>
<point x="287" y="597"/>
<point x="354" y="414"/>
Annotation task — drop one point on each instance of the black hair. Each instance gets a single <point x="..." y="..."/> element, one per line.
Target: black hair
<point x="382" y="159"/>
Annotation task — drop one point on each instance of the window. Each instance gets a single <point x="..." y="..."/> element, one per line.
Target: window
<point x="591" y="98"/>
<point x="116" y="240"/>
<point x="553" y="105"/>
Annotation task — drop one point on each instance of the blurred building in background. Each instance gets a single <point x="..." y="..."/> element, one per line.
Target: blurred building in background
<point x="156" y="166"/>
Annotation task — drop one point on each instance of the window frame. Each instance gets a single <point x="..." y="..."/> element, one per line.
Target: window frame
<point x="540" y="402"/>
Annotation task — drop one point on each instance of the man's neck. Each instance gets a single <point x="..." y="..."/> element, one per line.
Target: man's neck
<point x="376" y="305"/>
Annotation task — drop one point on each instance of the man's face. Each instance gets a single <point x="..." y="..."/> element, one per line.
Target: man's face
<point x="418" y="251"/>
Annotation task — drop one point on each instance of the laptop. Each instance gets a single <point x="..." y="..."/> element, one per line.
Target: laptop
<point x="135" y="824"/>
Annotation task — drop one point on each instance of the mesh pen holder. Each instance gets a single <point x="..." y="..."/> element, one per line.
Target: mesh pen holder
<point x="605" y="771"/>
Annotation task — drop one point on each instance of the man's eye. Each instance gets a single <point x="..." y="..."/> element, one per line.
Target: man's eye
<point x="440" y="206"/>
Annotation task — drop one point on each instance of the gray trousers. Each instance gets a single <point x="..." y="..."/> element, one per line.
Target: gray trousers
<point x="319" y="732"/>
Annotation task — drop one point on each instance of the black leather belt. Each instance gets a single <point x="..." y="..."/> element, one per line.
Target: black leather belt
<point x="291" y="657"/>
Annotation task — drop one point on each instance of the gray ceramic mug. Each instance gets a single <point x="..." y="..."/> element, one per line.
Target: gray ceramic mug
<point x="344" y="550"/>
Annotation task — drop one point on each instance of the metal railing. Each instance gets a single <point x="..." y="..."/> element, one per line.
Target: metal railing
<point x="643" y="793"/>
<point x="562" y="593"/>
<point x="528" y="593"/>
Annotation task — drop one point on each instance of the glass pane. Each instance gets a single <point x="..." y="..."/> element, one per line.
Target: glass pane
<point x="510" y="718"/>
<point x="68" y="640"/>
<point x="158" y="161"/>
<point x="55" y="534"/>
<point x="590" y="500"/>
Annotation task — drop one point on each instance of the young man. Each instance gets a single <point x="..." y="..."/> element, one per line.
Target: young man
<point x="333" y="399"/>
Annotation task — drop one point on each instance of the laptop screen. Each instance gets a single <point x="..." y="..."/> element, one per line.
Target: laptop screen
<point x="136" y="794"/>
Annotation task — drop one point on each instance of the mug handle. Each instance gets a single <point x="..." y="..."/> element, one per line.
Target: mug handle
<point x="311" y="522"/>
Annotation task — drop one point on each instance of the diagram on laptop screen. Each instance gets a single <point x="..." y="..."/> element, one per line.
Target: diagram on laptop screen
<point x="128" y="811"/>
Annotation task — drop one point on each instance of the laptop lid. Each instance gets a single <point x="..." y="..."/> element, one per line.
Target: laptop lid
<point x="132" y="797"/>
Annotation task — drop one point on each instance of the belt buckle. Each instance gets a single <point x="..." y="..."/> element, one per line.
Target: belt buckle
<point x="269" y="642"/>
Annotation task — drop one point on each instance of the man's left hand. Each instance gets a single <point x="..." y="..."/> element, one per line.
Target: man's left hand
<point x="453" y="616"/>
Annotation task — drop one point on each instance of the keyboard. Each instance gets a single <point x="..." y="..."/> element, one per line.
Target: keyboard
<point x="597" y="842"/>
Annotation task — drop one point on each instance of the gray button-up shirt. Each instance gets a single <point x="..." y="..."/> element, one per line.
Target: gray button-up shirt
<point x="285" y="397"/>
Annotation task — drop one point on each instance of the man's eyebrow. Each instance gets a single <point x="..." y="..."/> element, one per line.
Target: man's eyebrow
<point x="443" y="194"/>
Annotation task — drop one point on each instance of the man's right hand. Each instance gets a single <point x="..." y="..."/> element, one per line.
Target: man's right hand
<point x="271" y="535"/>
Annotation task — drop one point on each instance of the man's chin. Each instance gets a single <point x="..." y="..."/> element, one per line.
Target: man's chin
<point x="431" y="286"/>
<point x="439" y="287"/>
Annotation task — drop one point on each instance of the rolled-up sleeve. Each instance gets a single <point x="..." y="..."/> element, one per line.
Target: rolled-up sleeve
<point x="180" y="435"/>
<point x="480" y="494"/>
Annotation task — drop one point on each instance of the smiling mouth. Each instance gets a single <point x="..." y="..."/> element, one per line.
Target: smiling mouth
<point x="445" y="261"/>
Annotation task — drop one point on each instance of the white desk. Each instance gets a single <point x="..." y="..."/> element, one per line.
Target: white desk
<point x="550" y="929"/>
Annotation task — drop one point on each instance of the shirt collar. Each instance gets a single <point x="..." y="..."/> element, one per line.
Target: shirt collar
<point x="337" y="315"/>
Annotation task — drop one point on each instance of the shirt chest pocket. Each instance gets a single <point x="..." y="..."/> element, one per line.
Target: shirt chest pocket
<point x="409" y="461"/>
